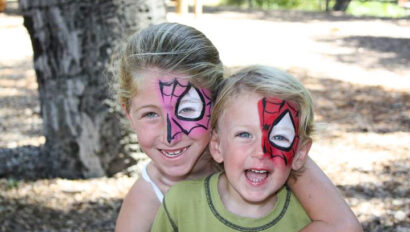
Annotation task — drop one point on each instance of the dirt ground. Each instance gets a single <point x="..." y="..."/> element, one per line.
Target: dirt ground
<point x="356" y="68"/>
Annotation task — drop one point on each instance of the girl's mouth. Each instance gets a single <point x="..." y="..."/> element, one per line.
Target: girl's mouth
<point x="256" y="176"/>
<point x="173" y="153"/>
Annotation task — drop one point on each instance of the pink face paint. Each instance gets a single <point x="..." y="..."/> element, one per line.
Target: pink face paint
<point x="279" y="124"/>
<point x="188" y="108"/>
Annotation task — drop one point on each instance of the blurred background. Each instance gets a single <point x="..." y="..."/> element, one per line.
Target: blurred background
<point x="354" y="57"/>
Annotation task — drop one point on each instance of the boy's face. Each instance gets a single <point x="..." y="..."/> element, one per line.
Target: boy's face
<point x="257" y="140"/>
<point x="171" y="119"/>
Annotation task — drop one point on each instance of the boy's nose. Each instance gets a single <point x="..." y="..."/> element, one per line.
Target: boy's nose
<point x="174" y="133"/>
<point x="258" y="151"/>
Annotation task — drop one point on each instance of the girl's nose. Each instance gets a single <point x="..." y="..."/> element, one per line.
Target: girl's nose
<point x="174" y="132"/>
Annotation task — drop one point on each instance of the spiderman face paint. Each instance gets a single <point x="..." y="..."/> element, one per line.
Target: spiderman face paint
<point x="188" y="109"/>
<point x="279" y="123"/>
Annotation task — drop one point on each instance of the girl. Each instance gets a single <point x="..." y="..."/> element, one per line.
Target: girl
<point x="168" y="76"/>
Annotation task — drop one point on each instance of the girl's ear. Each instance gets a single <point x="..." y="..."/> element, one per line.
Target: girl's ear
<point x="215" y="148"/>
<point x="125" y="111"/>
<point x="127" y="114"/>
<point x="301" y="154"/>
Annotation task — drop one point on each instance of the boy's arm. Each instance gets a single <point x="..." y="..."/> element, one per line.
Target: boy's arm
<point x="323" y="202"/>
<point x="138" y="209"/>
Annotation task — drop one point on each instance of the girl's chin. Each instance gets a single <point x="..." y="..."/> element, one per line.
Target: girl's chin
<point x="177" y="171"/>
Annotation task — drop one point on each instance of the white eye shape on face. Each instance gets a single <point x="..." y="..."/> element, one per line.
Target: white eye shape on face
<point x="283" y="132"/>
<point x="191" y="105"/>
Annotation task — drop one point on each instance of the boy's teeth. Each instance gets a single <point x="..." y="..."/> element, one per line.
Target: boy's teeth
<point x="256" y="176"/>
<point x="258" y="171"/>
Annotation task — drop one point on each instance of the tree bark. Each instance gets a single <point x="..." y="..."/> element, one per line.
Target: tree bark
<point x="72" y="42"/>
<point x="341" y="5"/>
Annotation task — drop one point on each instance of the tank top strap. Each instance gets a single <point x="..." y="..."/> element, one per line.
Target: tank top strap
<point x="146" y="177"/>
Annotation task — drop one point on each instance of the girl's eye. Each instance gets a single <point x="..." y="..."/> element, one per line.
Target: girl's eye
<point x="243" y="135"/>
<point x="191" y="105"/>
<point x="186" y="111"/>
<point x="149" y="115"/>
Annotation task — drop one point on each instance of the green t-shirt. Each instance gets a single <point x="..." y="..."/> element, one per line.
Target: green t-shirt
<point x="196" y="206"/>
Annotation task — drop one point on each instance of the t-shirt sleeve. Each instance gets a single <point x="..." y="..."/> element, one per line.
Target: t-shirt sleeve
<point x="163" y="222"/>
<point x="165" y="219"/>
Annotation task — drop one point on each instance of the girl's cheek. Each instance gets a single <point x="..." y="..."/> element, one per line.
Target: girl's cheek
<point x="199" y="133"/>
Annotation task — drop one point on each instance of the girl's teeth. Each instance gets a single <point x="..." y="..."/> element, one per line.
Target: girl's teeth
<point x="175" y="153"/>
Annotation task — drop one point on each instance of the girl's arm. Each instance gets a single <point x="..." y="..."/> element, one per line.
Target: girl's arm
<point x="138" y="209"/>
<point x="323" y="202"/>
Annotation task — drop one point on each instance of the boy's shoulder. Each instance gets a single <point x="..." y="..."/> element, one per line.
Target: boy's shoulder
<point x="186" y="188"/>
<point x="295" y="211"/>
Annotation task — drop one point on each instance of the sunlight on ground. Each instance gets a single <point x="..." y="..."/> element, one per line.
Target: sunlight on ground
<point x="243" y="41"/>
<point x="14" y="44"/>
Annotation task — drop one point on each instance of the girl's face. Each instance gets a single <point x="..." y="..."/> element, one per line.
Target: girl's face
<point x="254" y="171"/>
<point x="171" y="119"/>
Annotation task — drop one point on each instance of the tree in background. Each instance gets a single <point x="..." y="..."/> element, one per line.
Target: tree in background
<point x="341" y="5"/>
<point x="72" y="42"/>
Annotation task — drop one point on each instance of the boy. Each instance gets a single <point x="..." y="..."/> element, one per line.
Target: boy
<point x="262" y="121"/>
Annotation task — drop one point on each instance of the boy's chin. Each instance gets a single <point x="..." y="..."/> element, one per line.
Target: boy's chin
<point x="259" y="197"/>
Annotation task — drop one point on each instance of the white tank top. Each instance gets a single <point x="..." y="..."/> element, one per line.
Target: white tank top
<point x="146" y="177"/>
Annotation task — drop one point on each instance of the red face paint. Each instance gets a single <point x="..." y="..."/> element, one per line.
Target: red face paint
<point x="188" y="108"/>
<point x="279" y="123"/>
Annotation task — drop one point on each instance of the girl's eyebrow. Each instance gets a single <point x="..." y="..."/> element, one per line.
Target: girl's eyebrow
<point x="145" y="106"/>
<point x="191" y="100"/>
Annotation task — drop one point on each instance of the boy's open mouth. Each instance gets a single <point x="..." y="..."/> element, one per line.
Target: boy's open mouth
<point x="256" y="176"/>
<point x="173" y="153"/>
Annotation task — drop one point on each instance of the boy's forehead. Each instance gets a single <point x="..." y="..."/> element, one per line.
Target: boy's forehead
<point x="239" y="104"/>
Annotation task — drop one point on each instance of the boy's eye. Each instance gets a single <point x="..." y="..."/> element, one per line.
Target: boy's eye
<point x="243" y="135"/>
<point x="280" y="138"/>
<point x="283" y="133"/>
<point x="149" y="115"/>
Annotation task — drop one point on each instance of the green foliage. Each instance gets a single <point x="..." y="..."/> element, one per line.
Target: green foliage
<point x="11" y="183"/>
<point x="266" y="4"/>
<point x="376" y="8"/>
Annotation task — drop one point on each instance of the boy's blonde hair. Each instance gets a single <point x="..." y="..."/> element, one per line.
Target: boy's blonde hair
<point x="171" y="48"/>
<point x="268" y="82"/>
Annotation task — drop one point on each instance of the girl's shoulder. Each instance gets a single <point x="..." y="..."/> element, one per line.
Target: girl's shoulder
<point x="141" y="191"/>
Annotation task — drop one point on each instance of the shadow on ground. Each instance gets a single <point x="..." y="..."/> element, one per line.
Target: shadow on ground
<point x="392" y="52"/>
<point x="81" y="216"/>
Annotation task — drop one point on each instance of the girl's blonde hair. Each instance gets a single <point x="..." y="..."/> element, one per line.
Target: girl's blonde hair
<point x="170" y="48"/>
<point x="268" y="82"/>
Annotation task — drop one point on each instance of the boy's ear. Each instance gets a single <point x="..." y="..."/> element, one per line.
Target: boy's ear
<point x="215" y="148"/>
<point x="301" y="154"/>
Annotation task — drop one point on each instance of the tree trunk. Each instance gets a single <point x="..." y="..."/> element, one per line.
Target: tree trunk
<point x="341" y="5"/>
<point x="72" y="42"/>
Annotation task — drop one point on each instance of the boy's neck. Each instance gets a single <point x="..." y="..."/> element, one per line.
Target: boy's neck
<point x="239" y="206"/>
